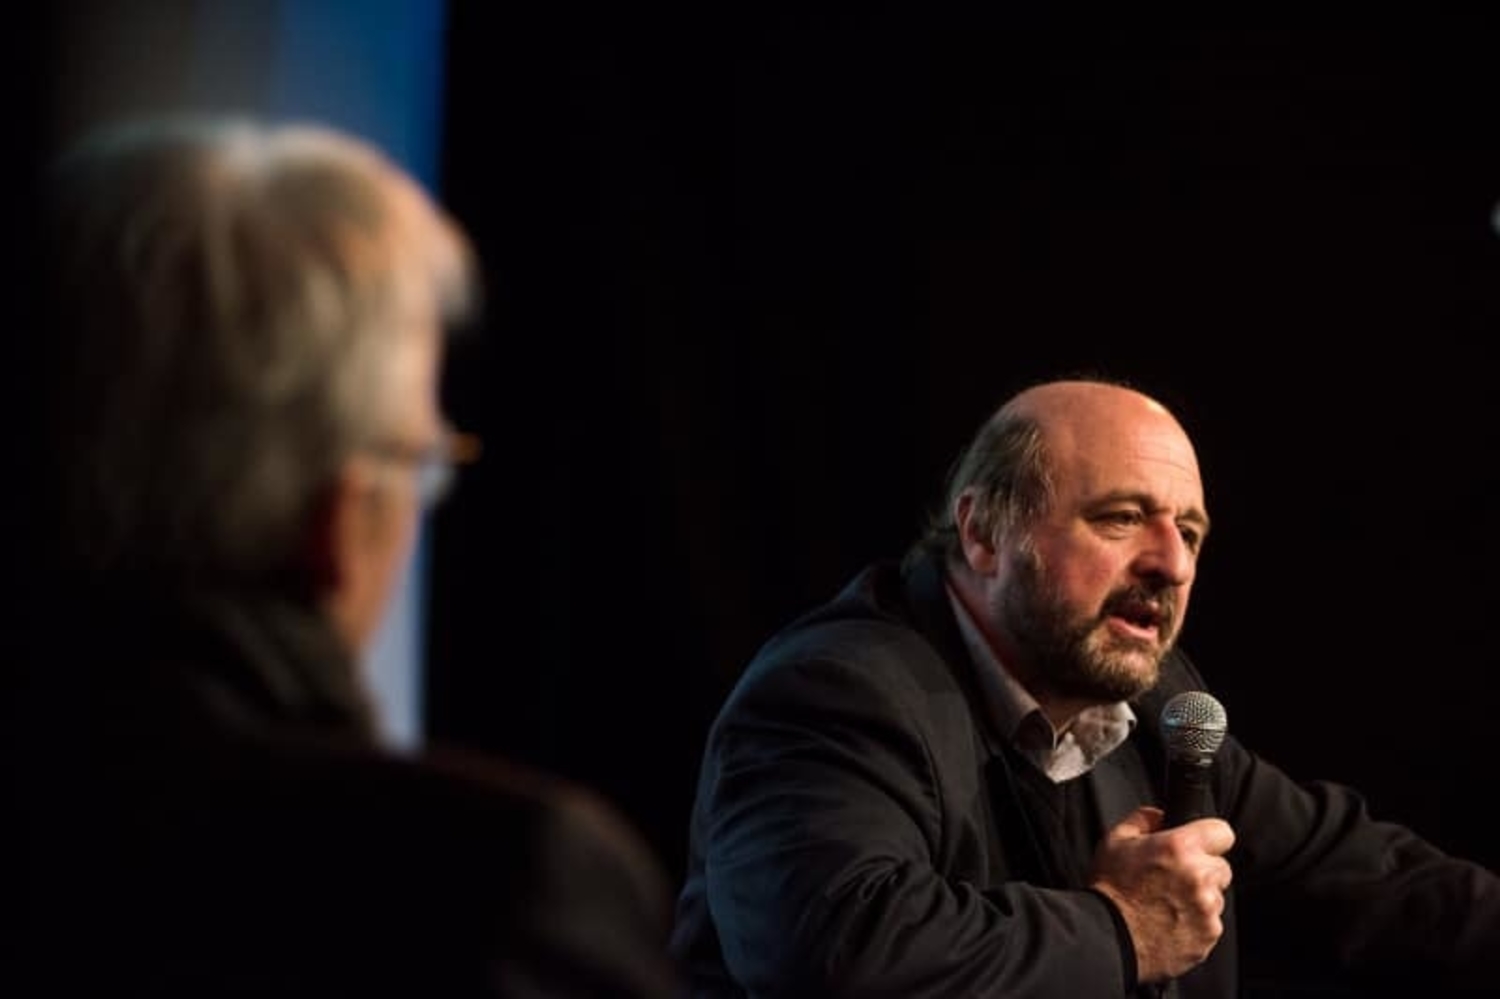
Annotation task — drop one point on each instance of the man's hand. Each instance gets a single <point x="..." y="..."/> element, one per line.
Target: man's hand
<point x="1169" y="885"/>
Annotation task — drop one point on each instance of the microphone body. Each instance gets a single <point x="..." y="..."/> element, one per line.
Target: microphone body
<point x="1193" y="724"/>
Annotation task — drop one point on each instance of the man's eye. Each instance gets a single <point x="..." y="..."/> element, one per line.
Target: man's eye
<point x="1191" y="538"/>
<point x="1121" y="518"/>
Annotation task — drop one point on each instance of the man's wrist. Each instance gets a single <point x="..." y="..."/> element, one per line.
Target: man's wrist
<point x="1122" y="935"/>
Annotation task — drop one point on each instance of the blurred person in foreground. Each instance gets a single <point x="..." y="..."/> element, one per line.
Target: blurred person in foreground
<point x="246" y="335"/>
<point x="949" y="781"/>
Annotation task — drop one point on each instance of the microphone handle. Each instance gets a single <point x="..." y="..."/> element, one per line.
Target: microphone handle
<point x="1189" y="791"/>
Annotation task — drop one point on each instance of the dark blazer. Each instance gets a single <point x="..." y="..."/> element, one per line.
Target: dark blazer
<point x="205" y="813"/>
<point x="857" y="832"/>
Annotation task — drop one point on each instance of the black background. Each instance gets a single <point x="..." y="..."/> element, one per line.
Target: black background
<point x="754" y="279"/>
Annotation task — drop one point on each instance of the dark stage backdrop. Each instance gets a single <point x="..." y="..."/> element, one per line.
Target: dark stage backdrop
<point x="754" y="281"/>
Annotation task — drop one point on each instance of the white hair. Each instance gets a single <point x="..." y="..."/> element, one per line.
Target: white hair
<point x="229" y="297"/>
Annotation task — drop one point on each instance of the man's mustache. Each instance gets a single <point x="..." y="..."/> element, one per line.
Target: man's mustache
<point x="1139" y="603"/>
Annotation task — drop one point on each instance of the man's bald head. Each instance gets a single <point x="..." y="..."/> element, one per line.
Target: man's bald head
<point x="1009" y="464"/>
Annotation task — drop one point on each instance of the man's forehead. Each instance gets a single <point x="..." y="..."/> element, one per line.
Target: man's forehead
<point x="1153" y="458"/>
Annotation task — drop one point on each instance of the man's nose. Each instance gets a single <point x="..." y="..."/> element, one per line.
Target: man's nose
<point x="1166" y="555"/>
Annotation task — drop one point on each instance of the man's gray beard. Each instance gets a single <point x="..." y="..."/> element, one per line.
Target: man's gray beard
<point x="1071" y="659"/>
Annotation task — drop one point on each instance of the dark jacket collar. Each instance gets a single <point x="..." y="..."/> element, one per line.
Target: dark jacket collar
<point x="226" y="659"/>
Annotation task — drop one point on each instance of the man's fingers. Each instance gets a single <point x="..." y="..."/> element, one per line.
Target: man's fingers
<point x="1215" y="836"/>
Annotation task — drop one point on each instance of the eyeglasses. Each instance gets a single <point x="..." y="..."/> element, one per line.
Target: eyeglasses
<point x="436" y="463"/>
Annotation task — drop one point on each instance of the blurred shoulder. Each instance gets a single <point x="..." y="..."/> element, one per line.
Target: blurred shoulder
<point x="597" y="901"/>
<point x="570" y="821"/>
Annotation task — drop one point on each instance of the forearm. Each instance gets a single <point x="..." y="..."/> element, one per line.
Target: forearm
<point x="1370" y="899"/>
<point x="901" y="930"/>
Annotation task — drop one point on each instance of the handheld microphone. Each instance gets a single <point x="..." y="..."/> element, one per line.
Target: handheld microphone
<point x="1194" y="724"/>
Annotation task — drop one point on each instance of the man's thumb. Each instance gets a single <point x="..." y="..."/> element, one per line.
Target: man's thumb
<point x="1145" y="819"/>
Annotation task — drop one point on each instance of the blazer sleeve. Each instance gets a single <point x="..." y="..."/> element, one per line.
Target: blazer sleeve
<point x="1363" y="899"/>
<point x="824" y="823"/>
<point x="595" y="914"/>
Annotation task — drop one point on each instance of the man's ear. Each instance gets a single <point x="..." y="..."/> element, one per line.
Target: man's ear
<point x="978" y="548"/>
<point x="333" y="532"/>
<point x="343" y="552"/>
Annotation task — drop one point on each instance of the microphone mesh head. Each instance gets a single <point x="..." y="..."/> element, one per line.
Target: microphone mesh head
<point x="1194" y="724"/>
